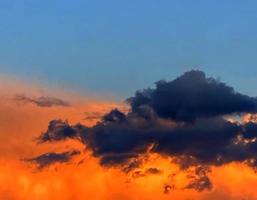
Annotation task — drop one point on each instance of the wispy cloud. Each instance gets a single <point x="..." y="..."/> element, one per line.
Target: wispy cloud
<point x="47" y="159"/>
<point x="41" y="101"/>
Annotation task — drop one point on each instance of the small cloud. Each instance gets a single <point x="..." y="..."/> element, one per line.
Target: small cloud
<point x="153" y="171"/>
<point x="42" y="101"/>
<point x="149" y="171"/>
<point x="200" y="180"/>
<point x="58" y="130"/>
<point x="48" y="159"/>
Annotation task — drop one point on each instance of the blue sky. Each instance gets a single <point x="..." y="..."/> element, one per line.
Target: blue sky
<point x="115" y="47"/>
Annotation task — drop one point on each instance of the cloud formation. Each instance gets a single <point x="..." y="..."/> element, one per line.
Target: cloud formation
<point x="58" y="130"/>
<point x="192" y="96"/>
<point x="47" y="159"/>
<point x="182" y="119"/>
<point x="200" y="180"/>
<point x="42" y="101"/>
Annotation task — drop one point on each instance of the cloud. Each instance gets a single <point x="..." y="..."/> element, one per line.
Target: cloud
<point x="153" y="170"/>
<point x="47" y="159"/>
<point x="182" y="119"/>
<point x="57" y="130"/>
<point x="200" y="180"/>
<point x="192" y="96"/>
<point x="42" y="101"/>
<point x="149" y="171"/>
<point x="212" y="141"/>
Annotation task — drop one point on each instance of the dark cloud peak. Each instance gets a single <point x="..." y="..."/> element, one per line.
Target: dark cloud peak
<point x="57" y="130"/>
<point x="42" y="101"/>
<point x="114" y="116"/>
<point x="182" y="119"/>
<point x="193" y="96"/>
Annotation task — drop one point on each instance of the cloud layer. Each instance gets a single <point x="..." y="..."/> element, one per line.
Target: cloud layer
<point x="147" y="176"/>
<point x="183" y="119"/>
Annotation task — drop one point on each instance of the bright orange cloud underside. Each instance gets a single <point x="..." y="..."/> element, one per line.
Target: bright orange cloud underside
<point x="83" y="177"/>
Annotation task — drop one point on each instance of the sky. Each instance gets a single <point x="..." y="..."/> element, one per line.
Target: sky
<point x="128" y="100"/>
<point x="117" y="47"/>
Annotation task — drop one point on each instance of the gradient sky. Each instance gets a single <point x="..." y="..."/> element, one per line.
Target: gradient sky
<point x="66" y="68"/>
<point x="116" y="47"/>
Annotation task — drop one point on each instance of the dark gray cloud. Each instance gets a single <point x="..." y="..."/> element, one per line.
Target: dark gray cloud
<point x="199" y="179"/>
<point x="114" y="116"/>
<point x="47" y="159"/>
<point x="192" y="96"/>
<point x="42" y="101"/>
<point x="58" y="130"/>
<point x="148" y="171"/>
<point x="212" y="141"/>
<point x="153" y="170"/>
<point x="181" y="119"/>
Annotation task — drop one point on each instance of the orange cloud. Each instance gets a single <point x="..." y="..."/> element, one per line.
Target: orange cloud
<point x="83" y="177"/>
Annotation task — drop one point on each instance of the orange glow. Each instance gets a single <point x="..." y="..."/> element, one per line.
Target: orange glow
<point x="76" y="180"/>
